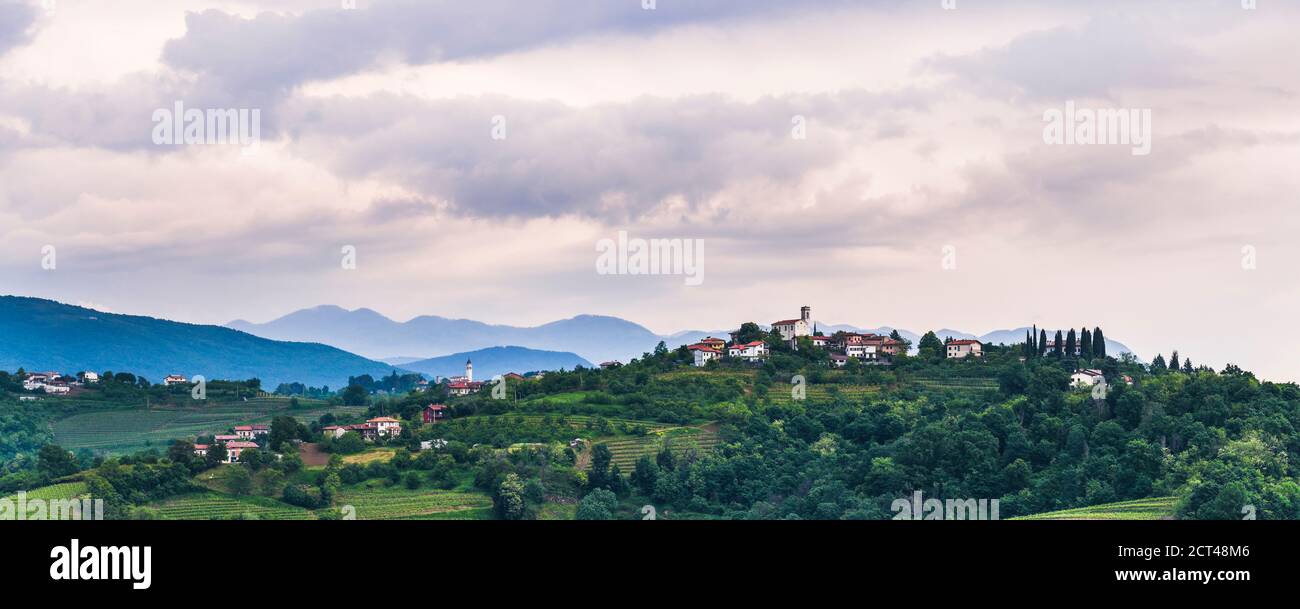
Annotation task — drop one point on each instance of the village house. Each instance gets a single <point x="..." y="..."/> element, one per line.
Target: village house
<point x="386" y="426"/>
<point x="513" y="376"/>
<point x="464" y="385"/>
<point x="823" y="341"/>
<point x="250" y="432"/>
<point x="89" y="377"/>
<point x="958" y="349"/>
<point x="610" y="365"/>
<point x="752" y="351"/>
<point x="1087" y="378"/>
<point x="226" y="438"/>
<point x="434" y="413"/>
<point x="838" y="360"/>
<point x="373" y="428"/>
<point x="866" y="353"/>
<point x="715" y="343"/>
<point x="234" y="449"/>
<point x="334" y="431"/>
<point x="704" y="355"/>
<point x="792" y="329"/>
<point x="201" y="450"/>
<point x="174" y="379"/>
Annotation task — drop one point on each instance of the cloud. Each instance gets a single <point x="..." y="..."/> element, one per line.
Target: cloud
<point x="16" y="20"/>
<point x="1095" y="60"/>
<point x="612" y="161"/>
<point x="276" y="52"/>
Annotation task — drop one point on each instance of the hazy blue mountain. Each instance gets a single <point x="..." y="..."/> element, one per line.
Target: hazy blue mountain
<point x="593" y="337"/>
<point x="41" y="334"/>
<point x="497" y="360"/>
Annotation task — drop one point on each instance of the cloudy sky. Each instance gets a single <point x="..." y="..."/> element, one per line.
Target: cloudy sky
<point x="883" y="162"/>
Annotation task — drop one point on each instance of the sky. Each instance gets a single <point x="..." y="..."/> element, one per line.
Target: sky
<point x="883" y="162"/>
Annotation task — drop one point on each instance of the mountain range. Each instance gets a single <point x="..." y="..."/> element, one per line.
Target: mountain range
<point x="365" y="332"/>
<point x="495" y="360"/>
<point x="592" y="337"/>
<point x="46" y="335"/>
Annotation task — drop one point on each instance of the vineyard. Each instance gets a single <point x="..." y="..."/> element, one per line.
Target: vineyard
<point x="1157" y="508"/>
<point x="210" y="506"/>
<point x="779" y="394"/>
<point x="394" y="503"/>
<point x="67" y="490"/>
<point x="125" y="431"/>
<point x="626" y="451"/>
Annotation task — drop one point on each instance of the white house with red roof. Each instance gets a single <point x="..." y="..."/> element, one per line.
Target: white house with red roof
<point x="790" y="329"/>
<point x="234" y="449"/>
<point x="386" y="426"/>
<point x="751" y="351"/>
<point x="958" y="349"/>
<point x="174" y="379"/>
<point x="704" y="354"/>
<point x="250" y="432"/>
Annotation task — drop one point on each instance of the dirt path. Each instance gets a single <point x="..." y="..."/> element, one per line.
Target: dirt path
<point x="312" y="455"/>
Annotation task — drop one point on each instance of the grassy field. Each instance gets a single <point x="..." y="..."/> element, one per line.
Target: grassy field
<point x="1157" y="508"/>
<point x="371" y="455"/>
<point x="397" y="503"/>
<point x="208" y="505"/>
<point x="125" y="431"/>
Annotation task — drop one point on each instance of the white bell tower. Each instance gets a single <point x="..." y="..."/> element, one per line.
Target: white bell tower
<point x="469" y="371"/>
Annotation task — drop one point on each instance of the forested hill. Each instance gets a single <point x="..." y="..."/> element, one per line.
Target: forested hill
<point x="1006" y="427"/>
<point x="46" y="335"/>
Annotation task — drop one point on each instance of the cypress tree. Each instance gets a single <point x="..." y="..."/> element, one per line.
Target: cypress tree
<point x="1098" y="343"/>
<point x="1042" y="342"/>
<point x="1085" y="343"/>
<point x="1070" y="343"/>
<point x="1173" y="361"/>
<point x="1056" y="345"/>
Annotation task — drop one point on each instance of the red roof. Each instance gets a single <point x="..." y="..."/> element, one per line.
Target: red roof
<point x="435" y="407"/>
<point x="965" y="341"/>
<point x="786" y="322"/>
<point x="747" y="345"/>
<point x="383" y="420"/>
<point x="200" y="447"/>
<point x="241" y="445"/>
<point x="705" y="348"/>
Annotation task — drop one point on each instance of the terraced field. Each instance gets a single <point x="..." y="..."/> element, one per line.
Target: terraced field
<point x="207" y="506"/>
<point x="968" y="383"/>
<point x="779" y="394"/>
<point x="124" y="431"/>
<point x="1156" y="508"/>
<point x="66" y="490"/>
<point x="579" y="422"/>
<point x="403" y="504"/>
<point x="627" y="450"/>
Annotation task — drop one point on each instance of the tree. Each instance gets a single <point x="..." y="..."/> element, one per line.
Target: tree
<point x="598" y="475"/>
<point x="644" y="475"/>
<point x="216" y="454"/>
<point x="1187" y="365"/>
<point x="508" y="500"/>
<point x="54" y="462"/>
<point x="285" y="429"/>
<point x="351" y="442"/>
<point x="599" y="504"/>
<point x="269" y="482"/>
<point x="239" y="481"/>
<point x="1070" y="343"/>
<point x="181" y="451"/>
<point x="1098" y="343"/>
<point x="749" y="332"/>
<point x="1158" y="364"/>
<point x="930" y="346"/>
<point x="1057" y="346"/>
<point x="1042" y="342"/>
<point x="1085" y="344"/>
<point x="355" y="395"/>
<point x="1173" y="361"/>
